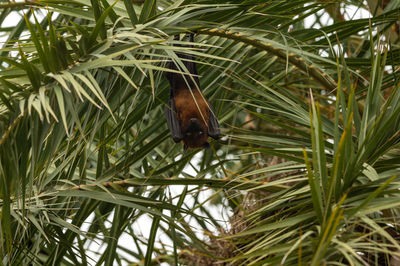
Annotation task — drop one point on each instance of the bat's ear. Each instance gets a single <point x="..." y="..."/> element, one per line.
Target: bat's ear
<point x="206" y="146"/>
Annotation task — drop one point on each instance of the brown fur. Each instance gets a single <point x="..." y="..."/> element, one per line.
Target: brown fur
<point x="187" y="109"/>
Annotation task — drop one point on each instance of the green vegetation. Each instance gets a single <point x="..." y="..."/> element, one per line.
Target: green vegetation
<point x="309" y="105"/>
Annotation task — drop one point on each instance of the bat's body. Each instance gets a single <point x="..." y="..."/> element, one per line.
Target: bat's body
<point x="189" y="116"/>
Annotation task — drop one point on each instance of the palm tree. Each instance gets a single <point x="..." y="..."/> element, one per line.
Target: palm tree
<point x="307" y="96"/>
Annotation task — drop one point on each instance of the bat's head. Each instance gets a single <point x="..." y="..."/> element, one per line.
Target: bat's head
<point x="195" y="134"/>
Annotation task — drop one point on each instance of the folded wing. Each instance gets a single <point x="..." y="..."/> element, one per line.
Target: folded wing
<point x="213" y="125"/>
<point x="172" y="121"/>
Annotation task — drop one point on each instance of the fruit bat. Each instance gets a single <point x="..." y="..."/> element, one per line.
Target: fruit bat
<point x="190" y="117"/>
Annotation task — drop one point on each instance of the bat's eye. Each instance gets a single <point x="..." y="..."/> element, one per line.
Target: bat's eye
<point x="201" y="133"/>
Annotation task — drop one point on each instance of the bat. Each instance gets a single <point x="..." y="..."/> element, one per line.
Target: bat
<point x="190" y="116"/>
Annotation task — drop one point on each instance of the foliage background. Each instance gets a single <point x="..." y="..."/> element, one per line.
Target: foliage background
<point x="307" y="168"/>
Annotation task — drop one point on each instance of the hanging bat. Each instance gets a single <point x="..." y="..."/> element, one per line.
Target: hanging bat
<point x="189" y="116"/>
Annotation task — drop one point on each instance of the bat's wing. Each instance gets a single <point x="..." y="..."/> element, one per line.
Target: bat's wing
<point x="172" y="121"/>
<point x="213" y="125"/>
<point x="178" y="80"/>
<point x="191" y="66"/>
